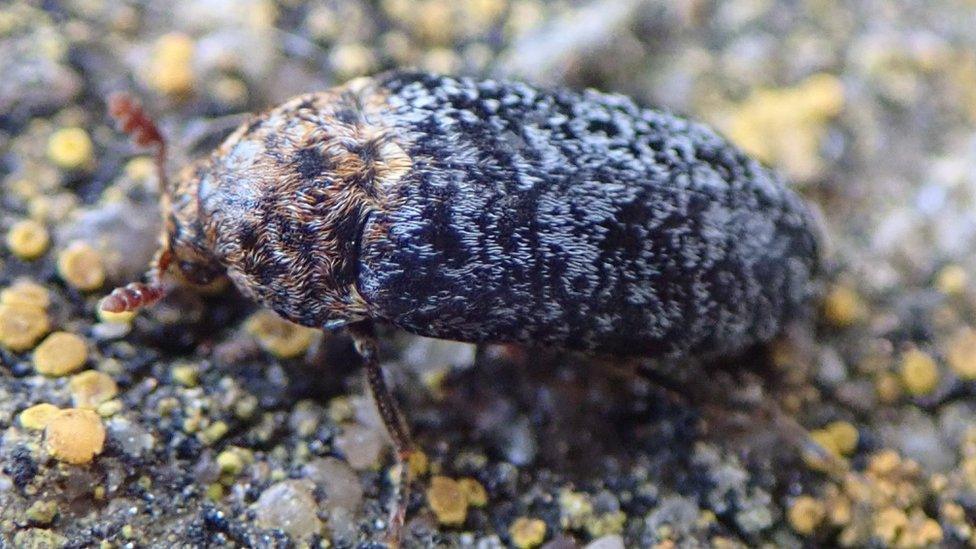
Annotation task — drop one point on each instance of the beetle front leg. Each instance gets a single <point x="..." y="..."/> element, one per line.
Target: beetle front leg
<point x="364" y="337"/>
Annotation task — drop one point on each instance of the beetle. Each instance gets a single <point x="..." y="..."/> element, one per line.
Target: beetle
<point x="486" y="211"/>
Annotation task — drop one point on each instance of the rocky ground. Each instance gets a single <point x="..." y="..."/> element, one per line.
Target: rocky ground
<point x="205" y="422"/>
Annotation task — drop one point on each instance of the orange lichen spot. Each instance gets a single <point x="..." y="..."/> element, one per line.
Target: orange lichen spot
<point x="36" y="417"/>
<point x="447" y="500"/>
<point x="81" y="266"/>
<point x="952" y="280"/>
<point x="805" y="514"/>
<point x="170" y="69"/>
<point x="21" y="325"/>
<point x="25" y="292"/>
<point x="889" y="523"/>
<point x="417" y="464"/>
<point x="843" y="306"/>
<point x="91" y="388"/>
<point x="60" y="353"/>
<point x="473" y="491"/>
<point x="278" y="336"/>
<point x="527" y="532"/>
<point x="70" y="148"/>
<point x="75" y="436"/>
<point x="28" y="239"/>
<point x="845" y="436"/>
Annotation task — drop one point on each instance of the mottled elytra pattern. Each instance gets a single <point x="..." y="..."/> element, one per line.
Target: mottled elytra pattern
<point x="496" y="211"/>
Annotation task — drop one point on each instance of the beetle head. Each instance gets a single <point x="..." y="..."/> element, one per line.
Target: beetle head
<point x="181" y="242"/>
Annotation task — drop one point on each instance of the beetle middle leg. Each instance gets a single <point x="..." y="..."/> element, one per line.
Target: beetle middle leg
<point x="364" y="337"/>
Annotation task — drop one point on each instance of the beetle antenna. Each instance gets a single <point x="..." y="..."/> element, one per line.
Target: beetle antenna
<point x="133" y="120"/>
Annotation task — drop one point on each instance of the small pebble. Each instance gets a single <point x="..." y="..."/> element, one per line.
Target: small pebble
<point x="447" y="500"/>
<point x="75" y="436"/>
<point x="527" y="532"/>
<point x="36" y="417"/>
<point x="278" y="336"/>
<point x="919" y="372"/>
<point x="290" y="507"/>
<point x="91" y="388"/>
<point x="70" y="148"/>
<point x="28" y="239"/>
<point x="337" y="480"/>
<point x="613" y="541"/>
<point x="360" y="445"/>
<point x="60" y="353"/>
<point x="81" y="266"/>
<point x="131" y="438"/>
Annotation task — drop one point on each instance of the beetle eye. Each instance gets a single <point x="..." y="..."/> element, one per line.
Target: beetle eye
<point x="196" y="273"/>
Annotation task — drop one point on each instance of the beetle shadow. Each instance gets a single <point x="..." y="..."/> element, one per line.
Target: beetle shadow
<point x="586" y="418"/>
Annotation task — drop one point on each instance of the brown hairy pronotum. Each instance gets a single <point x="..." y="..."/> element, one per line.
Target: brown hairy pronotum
<point x="133" y="120"/>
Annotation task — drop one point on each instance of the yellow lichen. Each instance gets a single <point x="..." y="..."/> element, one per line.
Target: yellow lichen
<point x="70" y="148"/>
<point x="81" y="266"/>
<point x="952" y="280"/>
<point x="60" y="354"/>
<point x="446" y="499"/>
<point x="21" y="325"/>
<point x="786" y="126"/>
<point x="91" y="388"/>
<point x="417" y="464"/>
<point x="473" y="491"/>
<point x="919" y="372"/>
<point x="527" y="532"/>
<point x="36" y="417"/>
<point x="278" y="336"/>
<point x="961" y="354"/>
<point x="170" y="69"/>
<point x="825" y="454"/>
<point x="845" y="436"/>
<point x="214" y="432"/>
<point x="75" y="436"/>
<point x="888" y="387"/>
<point x="805" y="514"/>
<point x="187" y="375"/>
<point x="843" y="306"/>
<point x="125" y="317"/>
<point x="888" y="524"/>
<point x="574" y="509"/>
<point x="230" y="462"/>
<point x="28" y="239"/>
<point x="25" y="292"/>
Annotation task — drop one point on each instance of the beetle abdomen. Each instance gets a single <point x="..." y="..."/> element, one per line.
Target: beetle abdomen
<point x="578" y="220"/>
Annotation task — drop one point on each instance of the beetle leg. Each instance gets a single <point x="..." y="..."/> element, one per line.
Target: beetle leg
<point x="364" y="337"/>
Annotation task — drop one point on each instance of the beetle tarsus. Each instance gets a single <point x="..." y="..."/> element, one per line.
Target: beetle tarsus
<point x="364" y="337"/>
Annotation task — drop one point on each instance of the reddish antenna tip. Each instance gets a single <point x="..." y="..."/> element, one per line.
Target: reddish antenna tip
<point x="132" y="297"/>
<point x="133" y="120"/>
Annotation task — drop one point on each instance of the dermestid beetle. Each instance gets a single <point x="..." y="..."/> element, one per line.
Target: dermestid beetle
<point x="486" y="211"/>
